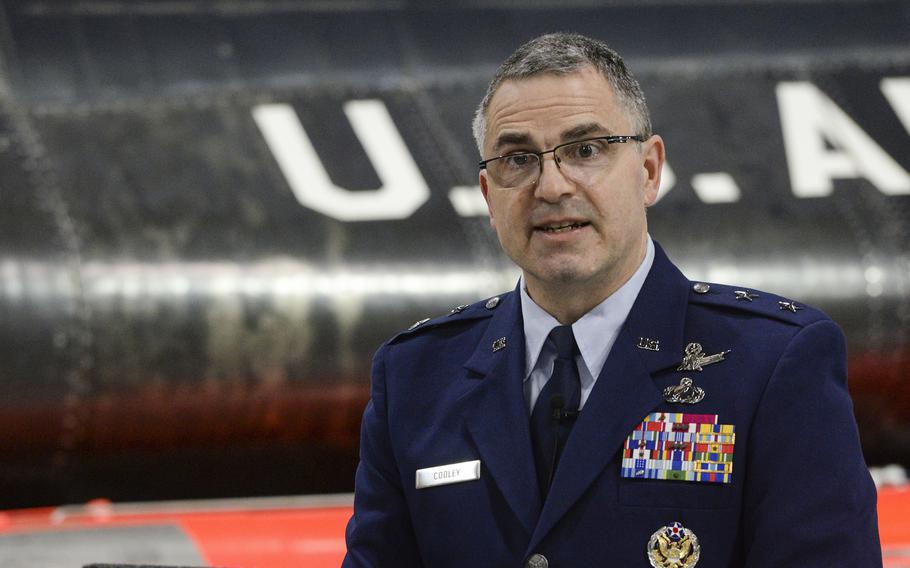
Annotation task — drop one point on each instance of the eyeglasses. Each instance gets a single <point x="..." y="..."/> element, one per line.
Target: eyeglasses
<point x="580" y="161"/>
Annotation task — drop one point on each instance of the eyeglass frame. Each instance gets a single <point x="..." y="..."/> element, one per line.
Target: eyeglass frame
<point x="617" y="139"/>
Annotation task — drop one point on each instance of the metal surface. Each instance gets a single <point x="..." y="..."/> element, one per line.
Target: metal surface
<point x="181" y="318"/>
<point x="159" y="545"/>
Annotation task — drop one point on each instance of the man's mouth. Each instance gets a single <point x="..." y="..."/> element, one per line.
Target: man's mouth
<point x="562" y="226"/>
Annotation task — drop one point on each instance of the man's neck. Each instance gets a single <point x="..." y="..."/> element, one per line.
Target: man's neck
<point x="569" y="301"/>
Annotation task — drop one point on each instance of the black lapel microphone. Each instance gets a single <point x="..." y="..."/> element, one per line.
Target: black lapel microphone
<point x="558" y="409"/>
<point x="558" y="413"/>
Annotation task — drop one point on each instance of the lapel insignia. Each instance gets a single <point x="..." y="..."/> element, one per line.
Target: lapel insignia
<point x="492" y="303"/>
<point x="680" y="447"/>
<point x="789" y="306"/>
<point x="648" y="343"/>
<point x="693" y="360"/>
<point x="684" y="393"/>
<point x="499" y="344"/>
<point x="673" y="546"/>
<point x="744" y="295"/>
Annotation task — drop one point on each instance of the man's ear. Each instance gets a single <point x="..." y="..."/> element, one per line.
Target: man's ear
<point x="653" y="156"/>
<point x="485" y="190"/>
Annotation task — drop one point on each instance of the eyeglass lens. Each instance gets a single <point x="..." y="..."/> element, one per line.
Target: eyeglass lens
<point x="580" y="161"/>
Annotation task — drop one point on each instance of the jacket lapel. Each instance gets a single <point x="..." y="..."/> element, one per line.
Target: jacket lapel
<point x="496" y="415"/>
<point x="624" y="392"/>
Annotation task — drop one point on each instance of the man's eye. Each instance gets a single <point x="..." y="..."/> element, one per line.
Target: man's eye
<point x="518" y="160"/>
<point x="586" y="150"/>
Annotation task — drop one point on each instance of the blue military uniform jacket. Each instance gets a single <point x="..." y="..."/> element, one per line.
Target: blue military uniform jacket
<point x="800" y="494"/>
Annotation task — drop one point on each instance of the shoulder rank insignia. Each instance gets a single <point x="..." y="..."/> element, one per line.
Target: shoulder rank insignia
<point x="693" y="360"/>
<point x="458" y="309"/>
<point x="745" y="295"/>
<point x="673" y="546"/>
<point x="417" y="324"/>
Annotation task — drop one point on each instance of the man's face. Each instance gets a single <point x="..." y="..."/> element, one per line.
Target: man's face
<point x="606" y="240"/>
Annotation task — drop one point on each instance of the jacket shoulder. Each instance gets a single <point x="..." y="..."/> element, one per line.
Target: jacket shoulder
<point x="752" y="302"/>
<point x="459" y="315"/>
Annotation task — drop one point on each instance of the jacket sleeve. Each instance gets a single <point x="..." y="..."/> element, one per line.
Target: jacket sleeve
<point x="809" y="498"/>
<point x="380" y="533"/>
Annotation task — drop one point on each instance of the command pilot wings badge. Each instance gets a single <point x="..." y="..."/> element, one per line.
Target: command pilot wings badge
<point x="693" y="360"/>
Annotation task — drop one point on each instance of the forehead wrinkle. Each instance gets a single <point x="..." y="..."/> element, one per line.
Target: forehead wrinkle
<point x="555" y="106"/>
<point x="513" y="117"/>
<point x="569" y="135"/>
<point x="519" y="127"/>
<point x="582" y="130"/>
<point x="511" y="137"/>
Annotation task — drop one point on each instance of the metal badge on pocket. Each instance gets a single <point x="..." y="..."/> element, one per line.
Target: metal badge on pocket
<point x="673" y="546"/>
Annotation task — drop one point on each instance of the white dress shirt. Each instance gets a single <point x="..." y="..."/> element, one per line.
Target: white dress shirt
<point x="595" y="334"/>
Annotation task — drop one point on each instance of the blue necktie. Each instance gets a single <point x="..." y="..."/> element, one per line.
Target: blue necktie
<point x="556" y="407"/>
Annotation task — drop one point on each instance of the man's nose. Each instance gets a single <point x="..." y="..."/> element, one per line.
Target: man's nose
<point x="553" y="183"/>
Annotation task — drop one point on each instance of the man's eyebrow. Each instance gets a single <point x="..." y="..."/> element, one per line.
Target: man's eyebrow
<point x="583" y="130"/>
<point x="507" y="138"/>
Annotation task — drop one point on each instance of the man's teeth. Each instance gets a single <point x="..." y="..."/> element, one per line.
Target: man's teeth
<point x="561" y="227"/>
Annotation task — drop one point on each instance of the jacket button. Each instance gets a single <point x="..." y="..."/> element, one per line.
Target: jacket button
<point x="538" y="561"/>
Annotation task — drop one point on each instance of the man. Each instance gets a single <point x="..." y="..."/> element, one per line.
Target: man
<point x="608" y="412"/>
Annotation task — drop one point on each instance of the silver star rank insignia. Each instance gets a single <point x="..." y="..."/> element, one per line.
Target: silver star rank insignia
<point x="417" y="324"/>
<point x="744" y="295"/>
<point x="789" y="306"/>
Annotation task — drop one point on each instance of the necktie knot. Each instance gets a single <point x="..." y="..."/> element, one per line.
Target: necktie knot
<point x="564" y="341"/>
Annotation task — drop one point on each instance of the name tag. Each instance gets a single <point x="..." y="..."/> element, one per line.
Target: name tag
<point x="446" y="474"/>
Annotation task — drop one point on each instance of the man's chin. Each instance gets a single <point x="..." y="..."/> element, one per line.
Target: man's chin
<point x="562" y="274"/>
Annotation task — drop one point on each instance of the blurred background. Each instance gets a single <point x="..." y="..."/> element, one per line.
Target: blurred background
<point x="213" y="212"/>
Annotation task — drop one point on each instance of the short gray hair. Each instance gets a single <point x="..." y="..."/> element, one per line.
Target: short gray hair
<point x="561" y="54"/>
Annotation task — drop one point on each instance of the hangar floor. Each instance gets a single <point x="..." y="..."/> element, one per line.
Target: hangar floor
<point x="279" y="532"/>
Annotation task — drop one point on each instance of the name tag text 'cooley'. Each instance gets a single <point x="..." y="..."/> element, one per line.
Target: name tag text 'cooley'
<point x="448" y="473"/>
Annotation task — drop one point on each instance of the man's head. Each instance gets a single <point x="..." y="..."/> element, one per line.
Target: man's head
<point x="560" y="54"/>
<point x="577" y="231"/>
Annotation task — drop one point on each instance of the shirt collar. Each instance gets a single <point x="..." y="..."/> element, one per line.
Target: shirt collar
<point x="603" y="321"/>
